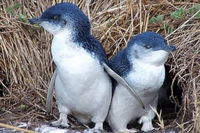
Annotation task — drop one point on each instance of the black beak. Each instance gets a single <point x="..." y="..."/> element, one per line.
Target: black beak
<point x="35" y="21"/>
<point x="169" y="48"/>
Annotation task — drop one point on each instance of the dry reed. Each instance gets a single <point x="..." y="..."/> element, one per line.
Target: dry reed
<point x="26" y="64"/>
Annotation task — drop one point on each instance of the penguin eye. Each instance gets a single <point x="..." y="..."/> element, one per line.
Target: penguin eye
<point x="147" y="46"/>
<point x="55" y="17"/>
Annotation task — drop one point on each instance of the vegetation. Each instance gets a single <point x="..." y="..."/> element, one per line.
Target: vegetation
<point x="26" y="64"/>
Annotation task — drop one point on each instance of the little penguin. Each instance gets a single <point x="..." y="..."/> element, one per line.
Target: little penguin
<point x="82" y="86"/>
<point x="141" y="64"/>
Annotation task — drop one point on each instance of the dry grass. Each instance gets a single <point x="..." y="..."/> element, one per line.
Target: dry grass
<point x="26" y="64"/>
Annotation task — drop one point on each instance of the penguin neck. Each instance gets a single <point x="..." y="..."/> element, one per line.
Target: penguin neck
<point x="64" y="46"/>
<point x="64" y="36"/>
<point x="142" y="63"/>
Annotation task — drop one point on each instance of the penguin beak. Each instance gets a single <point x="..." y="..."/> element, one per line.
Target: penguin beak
<point x="169" y="48"/>
<point x="35" y="21"/>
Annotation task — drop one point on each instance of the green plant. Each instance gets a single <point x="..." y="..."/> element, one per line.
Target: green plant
<point x="179" y="13"/>
<point x="3" y="109"/>
<point x="22" y="107"/>
<point x="22" y="18"/>
<point x="12" y="8"/>
<point x="170" y="29"/>
<point x="195" y="9"/>
<point x="157" y="19"/>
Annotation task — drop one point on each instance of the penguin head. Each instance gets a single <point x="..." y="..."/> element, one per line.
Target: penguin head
<point x="63" y="17"/>
<point x="150" y="47"/>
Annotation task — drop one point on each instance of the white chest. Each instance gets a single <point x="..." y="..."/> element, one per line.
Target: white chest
<point x="68" y="54"/>
<point x="146" y="78"/>
<point x="75" y="65"/>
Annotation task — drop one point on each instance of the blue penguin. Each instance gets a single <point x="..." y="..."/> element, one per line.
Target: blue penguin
<point x="81" y="79"/>
<point x="141" y="64"/>
<point x="82" y="86"/>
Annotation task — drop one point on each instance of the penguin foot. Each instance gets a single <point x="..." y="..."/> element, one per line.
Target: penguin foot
<point x="133" y="130"/>
<point x="61" y="122"/>
<point x="147" y="126"/>
<point x="146" y="121"/>
<point x="98" y="126"/>
<point x="93" y="130"/>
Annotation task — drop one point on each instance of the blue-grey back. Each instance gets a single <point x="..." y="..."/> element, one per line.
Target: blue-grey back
<point x="120" y="63"/>
<point x="94" y="47"/>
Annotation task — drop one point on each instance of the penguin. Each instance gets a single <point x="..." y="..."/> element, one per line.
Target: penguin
<point x="141" y="64"/>
<point x="82" y="86"/>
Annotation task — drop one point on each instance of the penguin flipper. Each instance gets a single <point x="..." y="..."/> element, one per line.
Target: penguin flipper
<point x="50" y="93"/>
<point x="120" y="80"/>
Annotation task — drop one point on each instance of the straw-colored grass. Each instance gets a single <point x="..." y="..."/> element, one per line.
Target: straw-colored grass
<point x="26" y="64"/>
